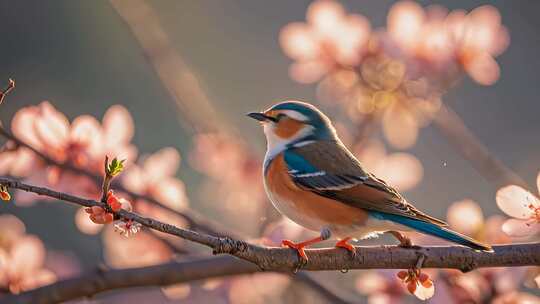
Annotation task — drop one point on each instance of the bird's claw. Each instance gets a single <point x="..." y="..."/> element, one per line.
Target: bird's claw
<point x="344" y="244"/>
<point x="299" y="248"/>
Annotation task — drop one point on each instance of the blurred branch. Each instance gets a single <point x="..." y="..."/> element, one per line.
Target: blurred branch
<point x="283" y="259"/>
<point x="183" y="87"/>
<point x="92" y="283"/>
<point x="469" y="146"/>
<point x="95" y="282"/>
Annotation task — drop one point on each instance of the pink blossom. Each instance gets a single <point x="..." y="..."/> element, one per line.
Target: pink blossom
<point x="83" y="143"/>
<point x="330" y="38"/>
<point x="22" y="258"/>
<point x="155" y="176"/>
<point x="523" y="207"/>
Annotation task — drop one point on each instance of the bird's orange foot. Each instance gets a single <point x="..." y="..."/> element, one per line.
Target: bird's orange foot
<point x="299" y="247"/>
<point x="344" y="243"/>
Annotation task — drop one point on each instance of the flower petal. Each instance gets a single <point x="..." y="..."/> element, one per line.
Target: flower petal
<point x="85" y="225"/>
<point x="308" y="71"/>
<point x="538" y="182"/>
<point x="465" y="217"/>
<point x="24" y="163"/>
<point x="52" y="126"/>
<point x="134" y="179"/>
<point x="423" y="293"/>
<point x="118" y="126"/>
<point x="520" y="228"/>
<point x="86" y="131"/>
<point x="299" y="41"/>
<point x="22" y="126"/>
<point x="401" y="170"/>
<point x="27" y="255"/>
<point x="171" y="192"/>
<point x="37" y="279"/>
<point x="515" y="201"/>
<point x="400" y="127"/>
<point x="161" y="164"/>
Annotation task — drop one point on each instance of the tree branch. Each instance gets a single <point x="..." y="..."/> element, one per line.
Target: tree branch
<point x="92" y="283"/>
<point x="95" y="282"/>
<point x="195" y="220"/>
<point x="283" y="259"/>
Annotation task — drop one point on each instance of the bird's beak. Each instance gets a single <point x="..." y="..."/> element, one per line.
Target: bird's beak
<point x="261" y="116"/>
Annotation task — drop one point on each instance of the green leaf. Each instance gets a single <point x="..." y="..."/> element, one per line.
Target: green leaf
<point x="115" y="167"/>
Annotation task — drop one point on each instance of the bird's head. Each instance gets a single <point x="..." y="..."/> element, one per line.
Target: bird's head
<point x="293" y="122"/>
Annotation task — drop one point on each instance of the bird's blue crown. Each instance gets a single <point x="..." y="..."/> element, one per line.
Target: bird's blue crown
<point x="323" y="129"/>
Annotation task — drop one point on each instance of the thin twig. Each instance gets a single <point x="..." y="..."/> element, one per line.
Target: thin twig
<point x="283" y="259"/>
<point x="9" y="87"/>
<point x="194" y="220"/>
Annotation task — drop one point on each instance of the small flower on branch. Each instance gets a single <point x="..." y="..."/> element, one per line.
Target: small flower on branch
<point x="523" y="207"/>
<point x="418" y="283"/>
<point x="127" y="228"/>
<point x="99" y="215"/>
<point x="4" y="194"/>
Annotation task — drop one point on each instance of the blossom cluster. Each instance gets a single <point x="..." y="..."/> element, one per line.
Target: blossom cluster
<point x="397" y="74"/>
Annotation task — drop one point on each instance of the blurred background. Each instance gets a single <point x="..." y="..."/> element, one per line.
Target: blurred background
<point x="188" y="71"/>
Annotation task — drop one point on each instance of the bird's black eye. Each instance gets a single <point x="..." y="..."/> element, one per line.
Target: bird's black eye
<point x="280" y="116"/>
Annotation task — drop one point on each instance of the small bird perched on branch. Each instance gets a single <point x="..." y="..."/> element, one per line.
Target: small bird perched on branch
<point x="313" y="179"/>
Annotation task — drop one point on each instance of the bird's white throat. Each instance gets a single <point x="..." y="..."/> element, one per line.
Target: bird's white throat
<point x="276" y="144"/>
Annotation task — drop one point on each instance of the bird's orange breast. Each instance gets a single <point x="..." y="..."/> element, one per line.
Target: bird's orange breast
<point x="304" y="206"/>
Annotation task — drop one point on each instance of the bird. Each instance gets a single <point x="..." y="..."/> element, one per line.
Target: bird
<point x="314" y="180"/>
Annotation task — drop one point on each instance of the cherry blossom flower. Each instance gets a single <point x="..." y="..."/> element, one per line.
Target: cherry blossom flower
<point x="4" y="194"/>
<point x="399" y="73"/>
<point x="235" y="180"/>
<point x="466" y="217"/>
<point x="523" y="207"/>
<point x="127" y="228"/>
<point x="401" y="170"/>
<point x="85" y="224"/>
<point x="99" y="215"/>
<point x="330" y="38"/>
<point x="418" y="283"/>
<point x="22" y="257"/>
<point x="154" y="176"/>
<point x="83" y="143"/>
<point x="440" y="37"/>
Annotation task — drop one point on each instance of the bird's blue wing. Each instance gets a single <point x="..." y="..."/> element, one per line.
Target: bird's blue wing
<point x="329" y="169"/>
<point x="308" y="175"/>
